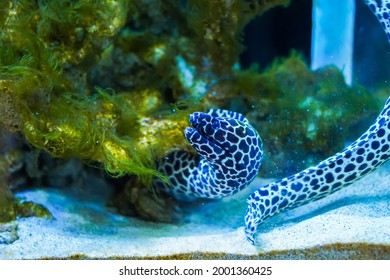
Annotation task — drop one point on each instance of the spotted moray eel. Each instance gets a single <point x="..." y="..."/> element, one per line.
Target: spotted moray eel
<point x="230" y="152"/>
<point x="363" y="156"/>
<point x="229" y="157"/>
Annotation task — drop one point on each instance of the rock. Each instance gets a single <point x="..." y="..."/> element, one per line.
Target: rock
<point x="8" y="233"/>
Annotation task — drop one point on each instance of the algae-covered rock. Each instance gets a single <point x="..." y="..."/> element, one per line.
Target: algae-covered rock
<point x="55" y="54"/>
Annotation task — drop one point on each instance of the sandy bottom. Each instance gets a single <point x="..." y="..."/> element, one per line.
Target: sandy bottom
<point x="84" y="226"/>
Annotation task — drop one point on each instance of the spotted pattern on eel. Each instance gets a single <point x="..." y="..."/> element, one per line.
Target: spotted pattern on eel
<point x="229" y="157"/>
<point x="364" y="155"/>
<point x="381" y="9"/>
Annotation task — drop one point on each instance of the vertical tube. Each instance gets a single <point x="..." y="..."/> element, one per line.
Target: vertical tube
<point x="332" y="35"/>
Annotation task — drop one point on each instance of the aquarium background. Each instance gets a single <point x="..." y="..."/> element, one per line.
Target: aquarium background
<point x="94" y="94"/>
<point x="264" y="42"/>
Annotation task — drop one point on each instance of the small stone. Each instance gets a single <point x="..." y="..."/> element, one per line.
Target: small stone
<point x="8" y="233"/>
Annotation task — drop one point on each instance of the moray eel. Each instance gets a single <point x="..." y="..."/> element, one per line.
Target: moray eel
<point x="229" y="156"/>
<point x="363" y="156"/>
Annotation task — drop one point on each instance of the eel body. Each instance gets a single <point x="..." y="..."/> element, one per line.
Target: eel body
<point x="360" y="158"/>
